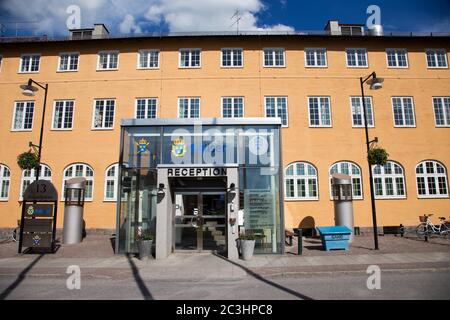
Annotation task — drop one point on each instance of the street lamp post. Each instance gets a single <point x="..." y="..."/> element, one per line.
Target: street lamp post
<point x="29" y="90"/>
<point x="375" y="84"/>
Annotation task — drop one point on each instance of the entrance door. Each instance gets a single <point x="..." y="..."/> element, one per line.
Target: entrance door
<point x="200" y="221"/>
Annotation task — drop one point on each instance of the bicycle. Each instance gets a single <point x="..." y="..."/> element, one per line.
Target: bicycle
<point x="426" y="228"/>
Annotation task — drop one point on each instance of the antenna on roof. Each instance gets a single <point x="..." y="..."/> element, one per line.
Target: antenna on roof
<point x="237" y="17"/>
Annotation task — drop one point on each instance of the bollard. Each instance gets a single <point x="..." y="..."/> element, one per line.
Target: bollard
<point x="300" y="241"/>
<point x="402" y="230"/>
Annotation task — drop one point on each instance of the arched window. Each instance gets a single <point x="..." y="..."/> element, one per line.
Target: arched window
<point x="354" y="171"/>
<point x="5" y="176"/>
<point x="389" y="181"/>
<point x="111" y="178"/>
<point x="28" y="176"/>
<point x="301" y="181"/>
<point x="431" y="180"/>
<point x="80" y="170"/>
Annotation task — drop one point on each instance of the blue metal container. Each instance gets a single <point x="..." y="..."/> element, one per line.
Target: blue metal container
<point x="335" y="237"/>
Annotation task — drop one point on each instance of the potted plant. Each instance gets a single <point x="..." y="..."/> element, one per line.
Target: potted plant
<point x="377" y="156"/>
<point x="144" y="242"/>
<point x="27" y="160"/>
<point x="247" y="245"/>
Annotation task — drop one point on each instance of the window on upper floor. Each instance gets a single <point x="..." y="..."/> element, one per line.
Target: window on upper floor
<point x="276" y="107"/>
<point x="436" y="58"/>
<point x="68" y="61"/>
<point x="351" y="169"/>
<point x="80" y="170"/>
<point x="103" y="115"/>
<point x="232" y="58"/>
<point x="148" y="59"/>
<point x="5" y="178"/>
<point x="63" y="114"/>
<point x="356" y="58"/>
<point x="108" y="60"/>
<point x="274" y="57"/>
<point x="23" y="116"/>
<point x="146" y="108"/>
<point x="441" y="106"/>
<point x="315" y="57"/>
<point x="389" y="181"/>
<point x="111" y="178"/>
<point x="358" y="112"/>
<point x="189" y="107"/>
<point x="190" y="58"/>
<point x="300" y="181"/>
<point x="29" y="63"/>
<point x="232" y="107"/>
<point x="403" y="111"/>
<point x="397" y="58"/>
<point x="29" y="176"/>
<point x="319" y="111"/>
<point x="431" y="178"/>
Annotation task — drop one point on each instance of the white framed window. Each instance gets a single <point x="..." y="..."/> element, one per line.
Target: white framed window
<point x="148" y="59"/>
<point x="63" y="114"/>
<point x="431" y="178"/>
<point x="403" y="111"/>
<point x="354" y="171"/>
<point x="389" y="181"/>
<point x="319" y="112"/>
<point x="356" y="58"/>
<point x="397" y="58"/>
<point x="68" y="61"/>
<point x="189" y="107"/>
<point x="276" y="107"/>
<point x="29" y="176"/>
<point x="103" y="115"/>
<point x="300" y="180"/>
<point x="436" y="58"/>
<point x="29" y="63"/>
<point x="5" y="180"/>
<point x="441" y="107"/>
<point x="316" y="57"/>
<point x="23" y="116"/>
<point x="146" y="108"/>
<point x="274" y="57"/>
<point x="111" y="178"/>
<point x="232" y="107"/>
<point x="190" y="58"/>
<point x="79" y="170"/>
<point x="108" y="60"/>
<point x="232" y="57"/>
<point x="357" y="110"/>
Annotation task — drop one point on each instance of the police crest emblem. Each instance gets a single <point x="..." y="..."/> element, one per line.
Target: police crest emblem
<point x="36" y="240"/>
<point x="178" y="148"/>
<point x="142" y="145"/>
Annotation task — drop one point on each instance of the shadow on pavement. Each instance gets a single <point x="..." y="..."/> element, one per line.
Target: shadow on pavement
<point x="146" y="294"/>
<point x="261" y="278"/>
<point x="20" y="278"/>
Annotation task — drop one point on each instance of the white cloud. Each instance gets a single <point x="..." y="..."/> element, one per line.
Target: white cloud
<point x="128" y="25"/>
<point x="136" y="16"/>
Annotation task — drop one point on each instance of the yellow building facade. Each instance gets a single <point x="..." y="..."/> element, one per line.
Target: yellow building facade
<point x="411" y="113"/>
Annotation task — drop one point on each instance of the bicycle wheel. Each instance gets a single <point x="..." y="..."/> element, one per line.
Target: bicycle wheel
<point x="421" y="231"/>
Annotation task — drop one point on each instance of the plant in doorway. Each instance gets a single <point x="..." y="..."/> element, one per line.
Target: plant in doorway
<point x="247" y="245"/>
<point x="144" y="241"/>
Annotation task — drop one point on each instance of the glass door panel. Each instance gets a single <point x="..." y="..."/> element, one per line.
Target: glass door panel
<point x="186" y="221"/>
<point x="213" y="222"/>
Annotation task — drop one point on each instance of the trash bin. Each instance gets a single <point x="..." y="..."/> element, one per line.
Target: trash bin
<point x="343" y="201"/>
<point x="73" y="210"/>
<point x="335" y="237"/>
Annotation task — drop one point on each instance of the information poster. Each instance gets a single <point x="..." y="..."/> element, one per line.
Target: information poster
<point x="259" y="209"/>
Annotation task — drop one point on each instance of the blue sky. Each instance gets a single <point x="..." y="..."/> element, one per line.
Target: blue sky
<point x="140" y="16"/>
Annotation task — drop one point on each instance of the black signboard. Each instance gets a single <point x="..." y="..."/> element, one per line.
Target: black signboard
<point x="38" y="223"/>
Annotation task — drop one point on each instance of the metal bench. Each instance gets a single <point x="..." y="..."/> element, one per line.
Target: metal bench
<point x="395" y="230"/>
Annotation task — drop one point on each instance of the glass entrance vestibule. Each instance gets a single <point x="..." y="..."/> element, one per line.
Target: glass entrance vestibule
<point x="196" y="184"/>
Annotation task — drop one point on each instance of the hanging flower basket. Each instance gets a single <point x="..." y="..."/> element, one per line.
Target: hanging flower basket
<point x="27" y="160"/>
<point x="377" y="156"/>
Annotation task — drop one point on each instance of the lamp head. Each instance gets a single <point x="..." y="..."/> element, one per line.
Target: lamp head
<point x="376" y="82"/>
<point x="28" y="89"/>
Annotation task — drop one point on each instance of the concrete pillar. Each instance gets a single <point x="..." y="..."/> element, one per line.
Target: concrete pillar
<point x="232" y="213"/>
<point x="163" y="218"/>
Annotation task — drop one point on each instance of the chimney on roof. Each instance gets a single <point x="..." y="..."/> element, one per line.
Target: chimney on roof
<point x="99" y="31"/>
<point x="333" y="27"/>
